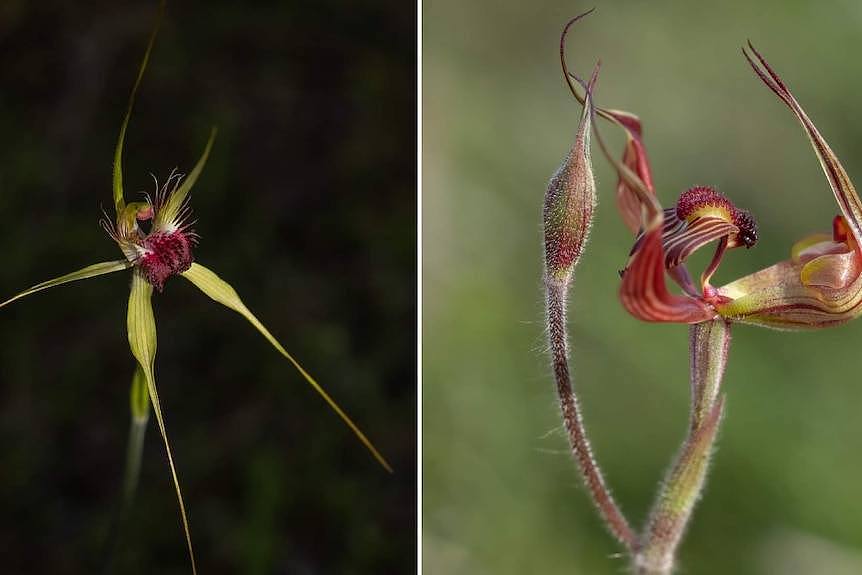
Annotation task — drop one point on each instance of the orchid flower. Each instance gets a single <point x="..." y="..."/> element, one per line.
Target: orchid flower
<point x="820" y="285"/>
<point x="157" y="240"/>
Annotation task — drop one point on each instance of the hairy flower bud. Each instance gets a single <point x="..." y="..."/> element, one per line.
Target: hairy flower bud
<point x="569" y="204"/>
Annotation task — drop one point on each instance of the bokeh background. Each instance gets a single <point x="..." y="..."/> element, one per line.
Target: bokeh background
<point x="501" y="493"/>
<point x="307" y="206"/>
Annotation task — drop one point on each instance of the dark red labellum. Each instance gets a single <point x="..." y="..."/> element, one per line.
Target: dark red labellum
<point x="167" y="254"/>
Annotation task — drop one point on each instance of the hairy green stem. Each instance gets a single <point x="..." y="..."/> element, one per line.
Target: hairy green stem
<point x="573" y="420"/>
<point x="709" y="344"/>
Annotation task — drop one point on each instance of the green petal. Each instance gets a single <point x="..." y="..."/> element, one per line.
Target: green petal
<point x="174" y="204"/>
<point x="223" y="293"/>
<point x="82" y="274"/>
<point x="142" y="339"/>
<point x="119" y="202"/>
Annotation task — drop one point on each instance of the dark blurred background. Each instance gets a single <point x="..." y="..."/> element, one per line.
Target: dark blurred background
<point x="501" y="493"/>
<point x="307" y="207"/>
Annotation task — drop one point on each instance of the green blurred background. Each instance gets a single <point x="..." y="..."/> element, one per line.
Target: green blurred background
<point x="501" y="493"/>
<point x="307" y="206"/>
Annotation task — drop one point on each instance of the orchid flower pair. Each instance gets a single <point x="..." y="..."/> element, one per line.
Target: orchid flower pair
<point x="157" y="239"/>
<point x="820" y="285"/>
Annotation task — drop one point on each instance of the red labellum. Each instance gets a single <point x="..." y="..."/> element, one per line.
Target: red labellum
<point x="166" y="254"/>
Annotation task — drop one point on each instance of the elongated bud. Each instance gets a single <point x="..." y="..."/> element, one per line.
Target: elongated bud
<point x="568" y="212"/>
<point x="569" y="203"/>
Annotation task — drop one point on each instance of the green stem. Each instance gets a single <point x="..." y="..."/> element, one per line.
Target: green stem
<point x="139" y="401"/>
<point x="683" y="486"/>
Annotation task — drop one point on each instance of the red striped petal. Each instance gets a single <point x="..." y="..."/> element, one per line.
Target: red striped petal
<point x="645" y="295"/>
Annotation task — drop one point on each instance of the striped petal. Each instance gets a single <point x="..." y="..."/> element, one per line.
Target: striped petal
<point x="635" y="158"/>
<point x="682" y="238"/>
<point x="645" y="295"/>
<point x="839" y="181"/>
<point x="819" y="286"/>
<point x="634" y="155"/>
<point x="777" y="296"/>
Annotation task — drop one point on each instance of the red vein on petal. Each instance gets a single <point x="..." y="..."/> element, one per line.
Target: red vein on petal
<point x="644" y="294"/>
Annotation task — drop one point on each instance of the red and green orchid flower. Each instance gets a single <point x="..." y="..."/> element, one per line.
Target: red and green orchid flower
<point x="157" y="240"/>
<point x="818" y="286"/>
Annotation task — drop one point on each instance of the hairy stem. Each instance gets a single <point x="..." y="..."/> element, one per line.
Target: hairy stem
<point x="593" y="479"/>
<point x="709" y="344"/>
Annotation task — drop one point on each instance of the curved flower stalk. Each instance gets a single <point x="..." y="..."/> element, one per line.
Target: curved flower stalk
<point x="157" y="239"/>
<point x="820" y="285"/>
<point x="568" y="210"/>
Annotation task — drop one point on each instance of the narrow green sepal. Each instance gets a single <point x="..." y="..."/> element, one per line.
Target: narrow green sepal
<point x="82" y="274"/>
<point x="222" y="292"/>
<point x="119" y="202"/>
<point x="142" y="340"/>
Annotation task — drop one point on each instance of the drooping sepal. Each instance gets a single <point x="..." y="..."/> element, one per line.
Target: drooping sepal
<point x="222" y="292"/>
<point x="141" y="326"/>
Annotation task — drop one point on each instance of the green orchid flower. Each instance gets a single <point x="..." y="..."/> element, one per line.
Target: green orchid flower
<point x="157" y="241"/>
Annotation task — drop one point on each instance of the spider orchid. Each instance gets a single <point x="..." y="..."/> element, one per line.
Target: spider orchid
<point x="157" y="239"/>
